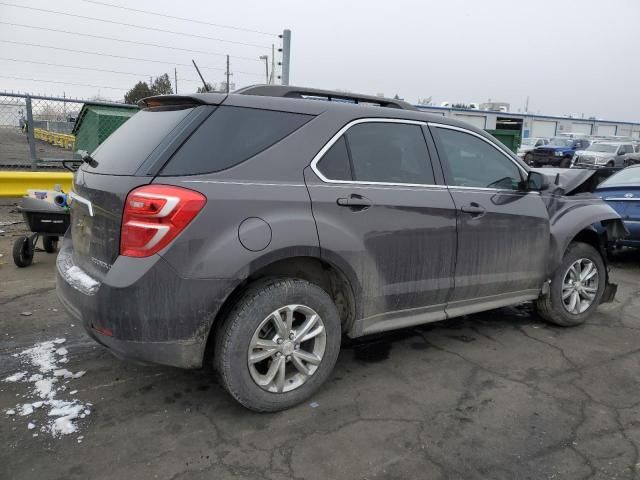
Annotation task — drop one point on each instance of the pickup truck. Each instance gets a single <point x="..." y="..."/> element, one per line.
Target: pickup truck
<point x="558" y="153"/>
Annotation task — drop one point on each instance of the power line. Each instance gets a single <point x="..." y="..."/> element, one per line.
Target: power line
<point x="126" y="41"/>
<point x="94" y="69"/>
<point x="180" y="18"/>
<point x="64" y="83"/>
<point x="142" y="27"/>
<point x="118" y="56"/>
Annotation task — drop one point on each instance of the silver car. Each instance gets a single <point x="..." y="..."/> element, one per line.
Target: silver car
<point x="606" y="154"/>
<point x="529" y="144"/>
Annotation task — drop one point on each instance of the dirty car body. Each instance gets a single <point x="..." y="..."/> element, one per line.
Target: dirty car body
<point x="280" y="187"/>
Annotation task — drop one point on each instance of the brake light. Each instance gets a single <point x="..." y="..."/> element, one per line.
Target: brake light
<point x="154" y="215"/>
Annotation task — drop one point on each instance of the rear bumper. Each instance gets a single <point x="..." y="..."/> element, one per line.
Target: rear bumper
<point x="142" y="310"/>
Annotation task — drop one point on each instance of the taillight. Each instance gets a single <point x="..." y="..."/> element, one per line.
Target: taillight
<point x="154" y="215"/>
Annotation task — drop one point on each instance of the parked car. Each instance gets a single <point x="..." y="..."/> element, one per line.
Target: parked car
<point x="622" y="192"/>
<point x="529" y="144"/>
<point x="262" y="226"/>
<point x="607" y="154"/>
<point x="558" y="153"/>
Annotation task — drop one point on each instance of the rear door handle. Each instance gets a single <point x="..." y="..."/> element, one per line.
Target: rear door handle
<point x="475" y="210"/>
<point x="355" y="202"/>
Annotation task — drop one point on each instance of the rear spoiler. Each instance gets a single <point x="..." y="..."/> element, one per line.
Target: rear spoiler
<point x="182" y="100"/>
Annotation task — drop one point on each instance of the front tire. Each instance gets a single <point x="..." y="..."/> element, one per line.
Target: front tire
<point x="565" y="162"/>
<point x="278" y="344"/>
<point x="576" y="287"/>
<point x="528" y="158"/>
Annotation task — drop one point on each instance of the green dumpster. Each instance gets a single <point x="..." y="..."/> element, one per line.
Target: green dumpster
<point x="96" y="122"/>
<point x="510" y="138"/>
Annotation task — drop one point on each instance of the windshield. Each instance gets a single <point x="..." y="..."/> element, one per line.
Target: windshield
<point x="602" y="147"/>
<point x="560" y="142"/>
<point x="628" y="176"/>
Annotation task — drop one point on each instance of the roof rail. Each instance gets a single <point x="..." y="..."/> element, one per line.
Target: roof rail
<point x="330" y="95"/>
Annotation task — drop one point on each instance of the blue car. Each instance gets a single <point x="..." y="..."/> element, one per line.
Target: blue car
<point x="558" y="153"/>
<point x="622" y="192"/>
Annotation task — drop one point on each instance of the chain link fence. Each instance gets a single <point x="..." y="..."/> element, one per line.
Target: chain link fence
<point x="42" y="132"/>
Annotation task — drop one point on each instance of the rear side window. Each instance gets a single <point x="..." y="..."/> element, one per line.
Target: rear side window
<point x="390" y="153"/>
<point x="230" y="136"/>
<point x="130" y="145"/>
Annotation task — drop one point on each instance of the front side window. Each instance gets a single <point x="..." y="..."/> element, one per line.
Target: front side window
<point x="472" y="162"/>
<point x="379" y="152"/>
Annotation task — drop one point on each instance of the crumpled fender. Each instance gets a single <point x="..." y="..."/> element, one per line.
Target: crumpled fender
<point x="568" y="216"/>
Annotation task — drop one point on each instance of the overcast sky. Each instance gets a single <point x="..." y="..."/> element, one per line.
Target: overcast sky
<point x="570" y="57"/>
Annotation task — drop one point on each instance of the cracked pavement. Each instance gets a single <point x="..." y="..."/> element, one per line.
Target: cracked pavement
<point x="498" y="395"/>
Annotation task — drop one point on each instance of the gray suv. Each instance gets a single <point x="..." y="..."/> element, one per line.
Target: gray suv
<point x="255" y="229"/>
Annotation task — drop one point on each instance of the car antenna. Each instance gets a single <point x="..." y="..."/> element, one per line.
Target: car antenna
<point x="206" y="87"/>
<point x="557" y="182"/>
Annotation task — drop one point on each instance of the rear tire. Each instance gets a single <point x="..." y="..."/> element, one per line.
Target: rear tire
<point x="22" y="252"/>
<point x="553" y="307"/>
<point x="50" y="244"/>
<point x="251" y="330"/>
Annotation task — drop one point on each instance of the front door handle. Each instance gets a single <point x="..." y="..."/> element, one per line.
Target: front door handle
<point x="474" y="209"/>
<point x="354" y="202"/>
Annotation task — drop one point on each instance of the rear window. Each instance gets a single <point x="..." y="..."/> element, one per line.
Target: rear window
<point x="130" y="145"/>
<point x="230" y="136"/>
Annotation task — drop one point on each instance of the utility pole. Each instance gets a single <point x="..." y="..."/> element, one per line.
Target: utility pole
<point x="526" y="106"/>
<point x="286" y="55"/>
<point x="175" y="77"/>
<point x="273" y="65"/>
<point x="228" y="74"/>
<point x="266" y="67"/>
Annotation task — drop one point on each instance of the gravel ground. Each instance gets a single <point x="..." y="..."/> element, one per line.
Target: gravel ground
<point x="497" y="395"/>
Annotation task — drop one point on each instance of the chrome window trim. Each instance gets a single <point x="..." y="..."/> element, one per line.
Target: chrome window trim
<point x="622" y="199"/>
<point x="497" y="147"/>
<point x="334" y="139"/>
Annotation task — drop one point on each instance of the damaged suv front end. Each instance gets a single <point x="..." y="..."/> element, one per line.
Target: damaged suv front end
<point x="576" y="213"/>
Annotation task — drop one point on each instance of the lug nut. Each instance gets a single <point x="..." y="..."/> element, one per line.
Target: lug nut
<point x="288" y="357"/>
<point x="279" y="341"/>
<point x="297" y="346"/>
<point x="291" y="336"/>
<point x="278" y="354"/>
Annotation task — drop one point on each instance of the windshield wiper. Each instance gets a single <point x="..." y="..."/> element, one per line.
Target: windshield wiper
<point x="87" y="158"/>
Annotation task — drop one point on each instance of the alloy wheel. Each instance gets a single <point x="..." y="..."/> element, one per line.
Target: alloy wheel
<point x="580" y="286"/>
<point x="287" y="348"/>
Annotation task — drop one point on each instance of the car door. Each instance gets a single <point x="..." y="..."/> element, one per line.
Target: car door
<point x="503" y="232"/>
<point x="383" y="217"/>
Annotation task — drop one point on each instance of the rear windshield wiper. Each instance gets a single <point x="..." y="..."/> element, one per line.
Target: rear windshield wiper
<point x="87" y="158"/>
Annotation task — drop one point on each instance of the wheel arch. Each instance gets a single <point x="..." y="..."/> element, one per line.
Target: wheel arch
<point x="342" y="287"/>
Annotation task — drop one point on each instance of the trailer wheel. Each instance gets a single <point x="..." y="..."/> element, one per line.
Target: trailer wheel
<point x="22" y="252"/>
<point x="50" y="244"/>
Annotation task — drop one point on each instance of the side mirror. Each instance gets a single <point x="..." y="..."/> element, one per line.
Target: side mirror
<point x="537" y="181"/>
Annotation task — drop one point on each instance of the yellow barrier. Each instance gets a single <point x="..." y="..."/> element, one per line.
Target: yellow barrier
<point x="15" y="184"/>
<point x="63" y="140"/>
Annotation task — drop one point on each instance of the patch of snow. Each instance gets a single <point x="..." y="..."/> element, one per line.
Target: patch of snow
<point x="44" y="387"/>
<point x="16" y="377"/>
<point x="63" y="372"/>
<point x="62" y="414"/>
<point x="77" y="277"/>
